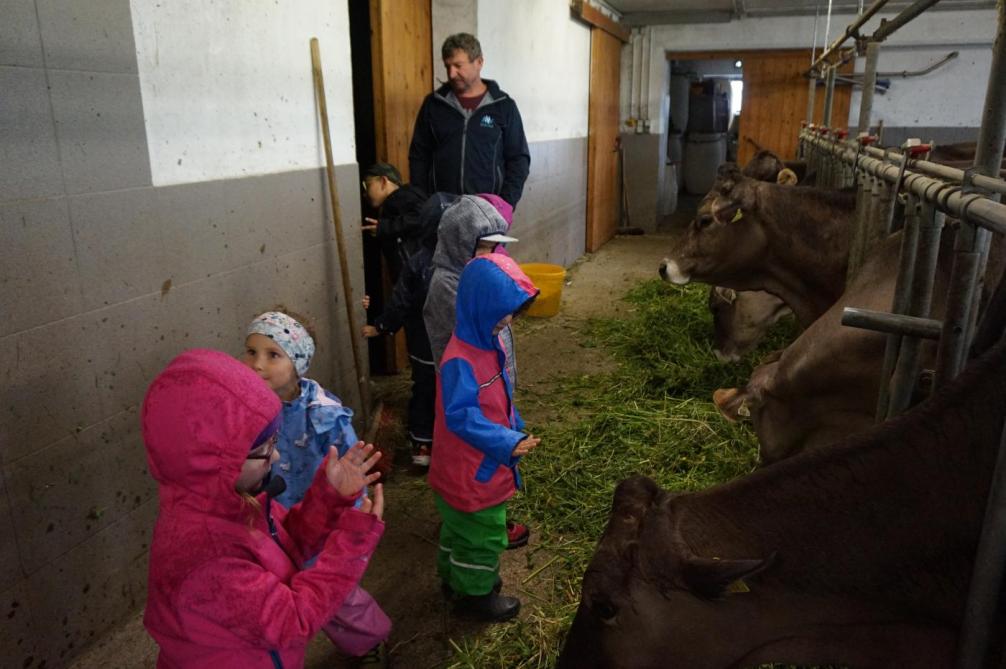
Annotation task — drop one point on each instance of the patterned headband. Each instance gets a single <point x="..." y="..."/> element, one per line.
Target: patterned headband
<point x="289" y="334"/>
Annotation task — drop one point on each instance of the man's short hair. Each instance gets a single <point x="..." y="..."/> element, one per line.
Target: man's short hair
<point x="463" y="41"/>
<point x="384" y="170"/>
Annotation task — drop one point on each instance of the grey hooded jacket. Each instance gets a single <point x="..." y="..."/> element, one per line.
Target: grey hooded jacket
<point x="462" y="225"/>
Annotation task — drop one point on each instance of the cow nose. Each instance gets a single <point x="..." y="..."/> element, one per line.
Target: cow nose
<point x="671" y="271"/>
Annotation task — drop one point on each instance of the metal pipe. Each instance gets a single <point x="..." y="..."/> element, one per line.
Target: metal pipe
<point x="987" y="578"/>
<point x="829" y="96"/>
<point x="906" y="373"/>
<point x="850" y="31"/>
<point x="899" y="305"/>
<point x="880" y="321"/>
<point x="811" y="97"/>
<point x="988" y="571"/>
<point x="948" y="198"/>
<point x="887" y="28"/>
<point x="869" y="84"/>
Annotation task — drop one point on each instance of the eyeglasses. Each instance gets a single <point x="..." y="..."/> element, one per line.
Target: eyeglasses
<point x="271" y="444"/>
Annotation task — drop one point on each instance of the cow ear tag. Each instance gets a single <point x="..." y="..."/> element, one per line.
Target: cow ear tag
<point x="737" y="216"/>
<point x="738" y="586"/>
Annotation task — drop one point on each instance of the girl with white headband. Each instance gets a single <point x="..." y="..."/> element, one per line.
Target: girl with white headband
<point x="279" y="348"/>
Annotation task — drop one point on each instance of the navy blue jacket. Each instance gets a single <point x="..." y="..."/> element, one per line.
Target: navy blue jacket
<point x="457" y="151"/>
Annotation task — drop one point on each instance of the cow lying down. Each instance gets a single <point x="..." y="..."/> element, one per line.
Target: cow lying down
<point x="857" y="554"/>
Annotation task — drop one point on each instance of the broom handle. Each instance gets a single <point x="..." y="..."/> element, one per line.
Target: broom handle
<point x="347" y="288"/>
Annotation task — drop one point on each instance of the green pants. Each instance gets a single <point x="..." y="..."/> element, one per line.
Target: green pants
<point x="470" y="547"/>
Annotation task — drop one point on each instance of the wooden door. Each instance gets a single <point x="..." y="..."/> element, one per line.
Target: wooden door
<point x="775" y="99"/>
<point x="401" y="52"/>
<point x="603" y="193"/>
<point x="401" y="57"/>
<point x="775" y="102"/>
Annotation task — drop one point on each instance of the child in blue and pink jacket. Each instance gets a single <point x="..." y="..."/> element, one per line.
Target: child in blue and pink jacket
<point x="479" y="438"/>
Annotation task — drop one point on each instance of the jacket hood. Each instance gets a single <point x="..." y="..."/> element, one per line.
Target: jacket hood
<point x="501" y="205"/>
<point x="461" y="226"/>
<point x="200" y="417"/>
<point x="490" y="288"/>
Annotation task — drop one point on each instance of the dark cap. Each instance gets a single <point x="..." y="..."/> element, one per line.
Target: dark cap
<point x="384" y="170"/>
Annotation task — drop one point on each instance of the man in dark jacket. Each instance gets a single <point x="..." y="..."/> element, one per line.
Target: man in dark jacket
<point x="469" y="137"/>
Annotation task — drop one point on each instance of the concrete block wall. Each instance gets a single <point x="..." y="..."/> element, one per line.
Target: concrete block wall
<point x="111" y="264"/>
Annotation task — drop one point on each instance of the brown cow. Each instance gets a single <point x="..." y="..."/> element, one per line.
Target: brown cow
<point x="741" y="319"/>
<point x="858" y="554"/>
<point x="751" y="235"/>
<point x="824" y="386"/>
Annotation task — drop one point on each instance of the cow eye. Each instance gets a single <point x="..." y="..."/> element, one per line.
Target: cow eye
<point x="704" y="220"/>
<point x="605" y="610"/>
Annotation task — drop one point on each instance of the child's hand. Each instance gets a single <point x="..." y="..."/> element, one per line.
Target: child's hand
<point x="370" y="331"/>
<point x="370" y="225"/>
<point x="526" y="445"/>
<point x="375" y="503"/>
<point x="348" y="474"/>
<point x="366" y="301"/>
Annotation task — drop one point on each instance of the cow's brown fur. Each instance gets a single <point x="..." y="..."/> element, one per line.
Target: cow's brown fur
<point x="856" y="554"/>
<point x="793" y="243"/>
<point x="824" y="386"/>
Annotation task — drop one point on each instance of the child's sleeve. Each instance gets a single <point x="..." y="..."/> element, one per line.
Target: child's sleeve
<point x="402" y="298"/>
<point x="464" y="417"/>
<point x="309" y="522"/>
<point x="238" y="596"/>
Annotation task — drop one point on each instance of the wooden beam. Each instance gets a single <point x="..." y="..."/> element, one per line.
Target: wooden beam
<point x="590" y="14"/>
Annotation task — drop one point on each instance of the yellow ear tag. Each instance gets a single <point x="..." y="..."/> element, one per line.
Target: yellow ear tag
<point x="738" y="216"/>
<point x="738" y="586"/>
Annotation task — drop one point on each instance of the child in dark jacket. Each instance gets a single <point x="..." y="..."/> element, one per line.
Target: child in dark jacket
<point x="405" y="308"/>
<point x="398" y="226"/>
<point x="479" y="438"/>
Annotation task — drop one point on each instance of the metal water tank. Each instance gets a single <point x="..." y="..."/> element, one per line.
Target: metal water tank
<point x="704" y="153"/>
<point x="679" y="92"/>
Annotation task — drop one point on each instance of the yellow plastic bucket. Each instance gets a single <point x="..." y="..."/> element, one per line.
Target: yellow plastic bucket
<point x="549" y="280"/>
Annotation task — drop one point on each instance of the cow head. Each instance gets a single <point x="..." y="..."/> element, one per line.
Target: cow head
<point x="741" y="319"/>
<point x="647" y="600"/>
<point x="725" y="239"/>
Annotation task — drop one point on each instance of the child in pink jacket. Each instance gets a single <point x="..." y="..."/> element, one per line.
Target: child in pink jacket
<point x="226" y="588"/>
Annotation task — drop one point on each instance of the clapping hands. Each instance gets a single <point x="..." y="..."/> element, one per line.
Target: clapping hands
<point x="348" y="474"/>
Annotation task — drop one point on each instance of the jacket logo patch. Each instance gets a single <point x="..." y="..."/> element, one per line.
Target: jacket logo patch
<point x="487" y="121"/>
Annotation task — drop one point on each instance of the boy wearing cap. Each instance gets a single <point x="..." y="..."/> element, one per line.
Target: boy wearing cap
<point x="398" y="225"/>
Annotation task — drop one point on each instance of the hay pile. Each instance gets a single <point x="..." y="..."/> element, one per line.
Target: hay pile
<point x="653" y="415"/>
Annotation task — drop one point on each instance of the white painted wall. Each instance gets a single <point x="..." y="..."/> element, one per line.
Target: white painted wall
<point x="227" y="87"/>
<point x="447" y="18"/>
<point x="541" y="56"/>
<point x="951" y="96"/>
<point x="931" y="33"/>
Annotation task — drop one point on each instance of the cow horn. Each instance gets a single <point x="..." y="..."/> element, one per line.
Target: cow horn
<point x="786" y="177"/>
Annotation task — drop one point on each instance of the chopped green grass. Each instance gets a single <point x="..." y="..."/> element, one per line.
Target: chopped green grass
<point x="652" y="415"/>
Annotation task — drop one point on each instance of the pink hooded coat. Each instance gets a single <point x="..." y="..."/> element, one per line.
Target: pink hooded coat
<point x="223" y="593"/>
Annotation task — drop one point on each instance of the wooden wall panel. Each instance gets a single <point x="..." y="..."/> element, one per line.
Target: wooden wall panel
<point x="775" y="99"/>
<point x="603" y="189"/>
<point x="402" y="60"/>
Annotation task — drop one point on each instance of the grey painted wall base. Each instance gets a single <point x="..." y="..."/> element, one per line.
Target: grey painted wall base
<point x="141" y="274"/>
<point x="551" y="217"/>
